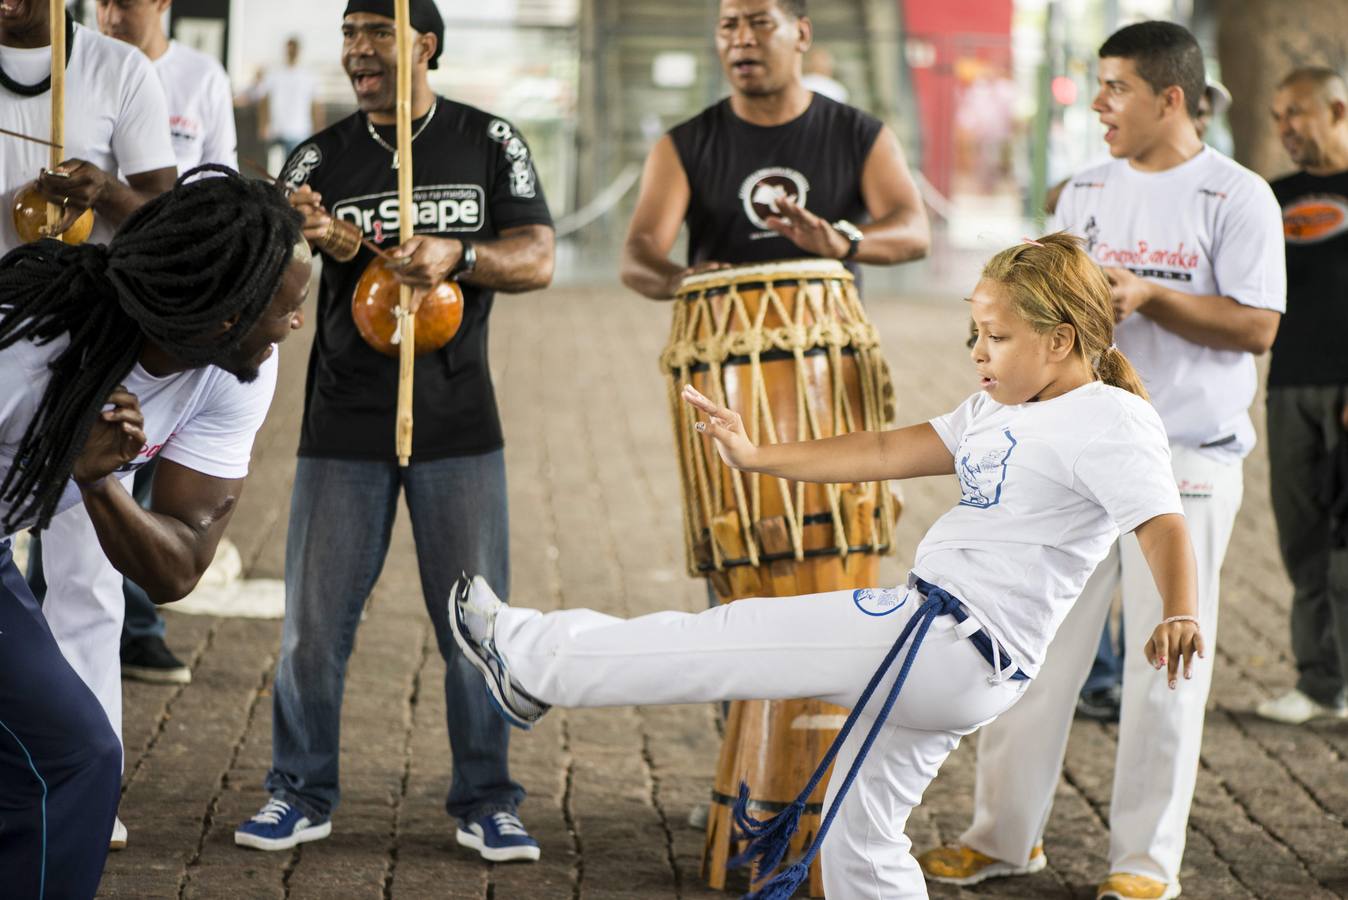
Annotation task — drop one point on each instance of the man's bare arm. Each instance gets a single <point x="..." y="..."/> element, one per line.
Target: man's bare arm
<point x="661" y="207"/>
<point x="80" y="185"/>
<point x="168" y="547"/>
<point x="898" y="230"/>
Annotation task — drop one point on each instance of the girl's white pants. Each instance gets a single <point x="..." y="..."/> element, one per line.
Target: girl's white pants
<point x="819" y="646"/>
<point x="1160" y="731"/>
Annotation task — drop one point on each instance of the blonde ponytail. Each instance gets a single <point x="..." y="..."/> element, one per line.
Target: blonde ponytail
<point x="1115" y="369"/>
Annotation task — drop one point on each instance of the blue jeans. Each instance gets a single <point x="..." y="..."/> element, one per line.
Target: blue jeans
<point x="60" y="761"/>
<point x="1107" y="670"/>
<point x="341" y="519"/>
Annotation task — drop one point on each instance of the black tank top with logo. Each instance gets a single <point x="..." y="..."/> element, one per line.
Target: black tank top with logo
<point x="736" y="172"/>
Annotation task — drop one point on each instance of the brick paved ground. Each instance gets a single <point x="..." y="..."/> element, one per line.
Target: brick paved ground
<point x="595" y="522"/>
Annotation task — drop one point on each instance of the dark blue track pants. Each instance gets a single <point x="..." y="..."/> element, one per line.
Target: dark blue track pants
<point x="60" y="762"/>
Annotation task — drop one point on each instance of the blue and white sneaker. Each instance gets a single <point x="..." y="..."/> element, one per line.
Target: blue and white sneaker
<point x="472" y="617"/>
<point x="280" y="826"/>
<point x="498" y="837"/>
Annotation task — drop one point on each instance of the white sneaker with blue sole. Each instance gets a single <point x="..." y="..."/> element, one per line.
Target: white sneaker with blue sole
<point x="473" y="607"/>
<point x="280" y="826"/>
<point x="498" y="837"/>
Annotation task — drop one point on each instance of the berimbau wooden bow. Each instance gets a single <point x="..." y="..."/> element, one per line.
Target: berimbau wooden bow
<point x="406" y="220"/>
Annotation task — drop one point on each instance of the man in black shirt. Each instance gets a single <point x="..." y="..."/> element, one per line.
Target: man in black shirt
<point x="483" y="221"/>
<point x="772" y="172"/>
<point x="1308" y="393"/>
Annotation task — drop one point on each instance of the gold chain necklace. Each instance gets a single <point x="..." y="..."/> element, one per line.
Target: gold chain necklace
<point x="369" y="126"/>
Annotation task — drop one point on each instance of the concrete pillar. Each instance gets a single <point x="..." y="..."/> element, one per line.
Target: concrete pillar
<point x="1258" y="42"/>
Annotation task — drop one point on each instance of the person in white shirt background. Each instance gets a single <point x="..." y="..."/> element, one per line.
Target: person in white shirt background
<point x="1192" y="243"/>
<point x="200" y="105"/>
<point x="288" y="110"/>
<point x="1056" y="455"/>
<point x="818" y="75"/>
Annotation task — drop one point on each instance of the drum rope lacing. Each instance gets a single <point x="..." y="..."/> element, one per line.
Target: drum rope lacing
<point x="831" y="319"/>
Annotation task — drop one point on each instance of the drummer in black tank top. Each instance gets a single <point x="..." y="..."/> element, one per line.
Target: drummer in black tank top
<point x="772" y="172"/>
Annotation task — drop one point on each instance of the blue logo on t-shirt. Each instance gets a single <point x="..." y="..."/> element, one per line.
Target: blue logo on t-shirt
<point x="981" y="480"/>
<point x="879" y="601"/>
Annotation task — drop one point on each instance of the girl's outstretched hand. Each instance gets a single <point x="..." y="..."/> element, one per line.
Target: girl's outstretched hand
<point x="726" y="429"/>
<point x="1171" y="642"/>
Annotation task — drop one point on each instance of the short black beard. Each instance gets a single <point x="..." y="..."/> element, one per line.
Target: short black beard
<point x="246" y="373"/>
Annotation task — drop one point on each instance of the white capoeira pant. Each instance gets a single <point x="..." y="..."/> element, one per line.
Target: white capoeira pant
<point x="84" y="606"/>
<point x="1020" y="756"/>
<point x="824" y="646"/>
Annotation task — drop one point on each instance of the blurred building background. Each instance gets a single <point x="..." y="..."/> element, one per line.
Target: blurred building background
<point x="990" y="97"/>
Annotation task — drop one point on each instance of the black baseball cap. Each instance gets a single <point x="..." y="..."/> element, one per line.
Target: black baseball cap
<point x="425" y="18"/>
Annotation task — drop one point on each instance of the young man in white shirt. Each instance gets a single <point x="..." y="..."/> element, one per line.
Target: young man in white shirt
<point x="200" y="105"/>
<point x="1192" y="243"/>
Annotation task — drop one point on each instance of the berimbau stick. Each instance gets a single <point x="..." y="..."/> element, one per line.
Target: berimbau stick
<point x="58" y="101"/>
<point x="406" y="320"/>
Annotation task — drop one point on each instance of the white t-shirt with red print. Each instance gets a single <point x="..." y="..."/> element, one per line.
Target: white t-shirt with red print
<point x="204" y="419"/>
<point x="1207" y="226"/>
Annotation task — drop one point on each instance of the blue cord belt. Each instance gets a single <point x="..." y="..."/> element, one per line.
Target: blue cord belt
<point x="980" y="638"/>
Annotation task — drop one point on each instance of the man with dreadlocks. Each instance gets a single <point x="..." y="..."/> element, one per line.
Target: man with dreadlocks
<point x="160" y="345"/>
<point x="485" y="223"/>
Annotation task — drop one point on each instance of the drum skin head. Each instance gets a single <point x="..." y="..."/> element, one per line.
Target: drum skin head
<point x="782" y="270"/>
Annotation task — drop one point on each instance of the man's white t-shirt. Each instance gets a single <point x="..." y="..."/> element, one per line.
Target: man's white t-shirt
<point x="200" y="107"/>
<point x="1046" y="488"/>
<point x="204" y="419"/>
<point x="1207" y="226"/>
<point x="290" y="93"/>
<point x="115" y="118"/>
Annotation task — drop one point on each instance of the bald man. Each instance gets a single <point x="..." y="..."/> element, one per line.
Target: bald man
<point x="1308" y="392"/>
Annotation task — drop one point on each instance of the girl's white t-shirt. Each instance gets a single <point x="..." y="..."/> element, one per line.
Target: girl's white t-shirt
<point x="204" y="419"/>
<point x="1046" y="488"/>
<point x="1208" y="226"/>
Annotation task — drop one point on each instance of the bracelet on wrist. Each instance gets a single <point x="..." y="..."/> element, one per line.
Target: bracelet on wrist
<point x="1171" y="619"/>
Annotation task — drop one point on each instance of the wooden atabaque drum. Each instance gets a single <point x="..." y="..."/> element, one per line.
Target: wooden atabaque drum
<point x="788" y="346"/>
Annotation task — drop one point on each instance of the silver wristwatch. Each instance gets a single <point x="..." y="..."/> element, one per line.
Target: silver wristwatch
<point x="853" y="235"/>
<point x="467" y="262"/>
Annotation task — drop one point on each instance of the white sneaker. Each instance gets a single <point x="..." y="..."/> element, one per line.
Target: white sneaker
<point x="118" y="840"/>
<point x="1295" y="708"/>
<point x="473" y="607"/>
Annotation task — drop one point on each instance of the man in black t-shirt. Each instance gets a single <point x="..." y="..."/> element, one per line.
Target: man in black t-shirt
<point x="772" y="172"/>
<point x="1308" y="393"/>
<point x="482" y="220"/>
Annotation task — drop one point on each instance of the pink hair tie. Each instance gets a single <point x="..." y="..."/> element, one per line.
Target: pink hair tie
<point x="1026" y="240"/>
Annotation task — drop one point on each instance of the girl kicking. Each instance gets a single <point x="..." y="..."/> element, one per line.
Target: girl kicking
<point x="1056" y="455"/>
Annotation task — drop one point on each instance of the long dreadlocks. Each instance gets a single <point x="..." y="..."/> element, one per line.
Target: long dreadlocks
<point x="208" y="251"/>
